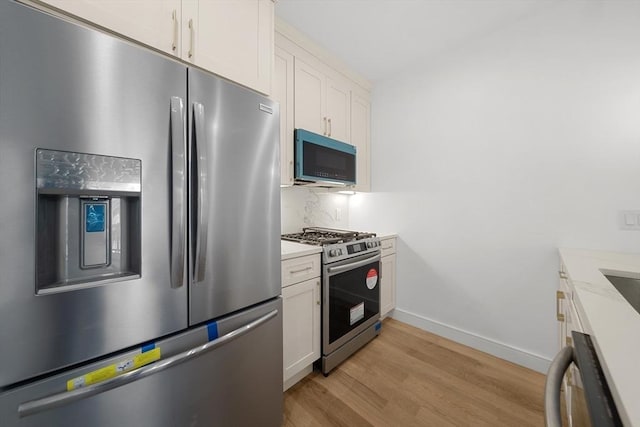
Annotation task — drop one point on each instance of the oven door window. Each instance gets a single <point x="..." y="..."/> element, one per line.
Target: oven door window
<point x="354" y="297"/>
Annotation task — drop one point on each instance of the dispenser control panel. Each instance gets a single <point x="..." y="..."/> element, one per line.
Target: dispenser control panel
<point x="95" y="232"/>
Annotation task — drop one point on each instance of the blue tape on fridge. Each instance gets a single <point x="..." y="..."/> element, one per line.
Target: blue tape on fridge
<point x="148" y="347"/>
<point x="212" y="330"/>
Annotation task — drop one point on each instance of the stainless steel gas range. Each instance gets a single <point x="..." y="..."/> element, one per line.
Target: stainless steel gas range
<point x="350" y="290"/>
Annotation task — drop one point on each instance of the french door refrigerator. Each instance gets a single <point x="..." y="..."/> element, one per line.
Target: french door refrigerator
<point x="139" y="239"/>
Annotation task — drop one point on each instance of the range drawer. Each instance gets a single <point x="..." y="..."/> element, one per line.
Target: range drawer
<point x="297" y="270"/>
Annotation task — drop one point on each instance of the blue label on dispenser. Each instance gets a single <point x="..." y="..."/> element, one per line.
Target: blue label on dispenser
<point x="94" y="217"/>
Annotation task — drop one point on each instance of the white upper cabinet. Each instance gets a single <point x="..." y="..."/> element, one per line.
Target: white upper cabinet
<point x="153" y="22"/>
<point x="322" y="103"/>
<point x="283" y="93"/>
<point x="309" y="98"/>
<point x="232" y="38"/>
<point x="328" y="99"/>
<point x="361" y="137"/>
<point x="338" y="98"/>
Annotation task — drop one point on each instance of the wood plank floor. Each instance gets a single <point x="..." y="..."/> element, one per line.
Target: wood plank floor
<point x="409" y="377"/>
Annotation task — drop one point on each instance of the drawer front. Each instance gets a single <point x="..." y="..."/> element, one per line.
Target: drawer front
<point x="296" y="270"/>
<point x="388" y="246"/>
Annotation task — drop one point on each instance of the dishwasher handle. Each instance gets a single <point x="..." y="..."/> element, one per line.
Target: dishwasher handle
<point x="559" y="366"/>
<point x="68" y="397"/>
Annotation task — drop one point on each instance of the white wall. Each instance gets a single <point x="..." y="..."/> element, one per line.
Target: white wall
<point x="488" y="158"/>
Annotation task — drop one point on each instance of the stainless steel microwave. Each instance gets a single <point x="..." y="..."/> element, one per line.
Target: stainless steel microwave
<point x="323" y="160"/>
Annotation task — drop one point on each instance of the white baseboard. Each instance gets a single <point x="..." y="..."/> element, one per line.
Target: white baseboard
<point x="495" y="348"/>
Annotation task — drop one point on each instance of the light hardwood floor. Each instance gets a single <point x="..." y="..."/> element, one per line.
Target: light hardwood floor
<point x="409" y="377"/>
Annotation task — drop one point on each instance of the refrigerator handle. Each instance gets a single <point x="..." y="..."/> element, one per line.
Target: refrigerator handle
<point x="202" y="196"/>
<point x="68" y="397"/>
<point x="179" y="192"/>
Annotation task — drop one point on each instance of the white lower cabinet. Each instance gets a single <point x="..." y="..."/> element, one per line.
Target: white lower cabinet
<point x="387" y="276"/>
<point x="568" y="321"/>
<point x="301" y="324"/>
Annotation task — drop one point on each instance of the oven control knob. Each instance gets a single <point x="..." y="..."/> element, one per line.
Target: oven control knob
<point x="333" y="252"/>
<point x="369" y="244"/>
<point x="339" y="251"/>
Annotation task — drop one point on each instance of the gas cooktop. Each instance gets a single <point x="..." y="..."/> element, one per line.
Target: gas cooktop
<point x="326" y="236"/>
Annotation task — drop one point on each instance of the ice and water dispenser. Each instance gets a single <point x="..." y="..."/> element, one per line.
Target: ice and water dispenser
<point x="88" y="229"/>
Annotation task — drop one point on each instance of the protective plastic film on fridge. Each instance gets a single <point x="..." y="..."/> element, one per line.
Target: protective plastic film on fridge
<point x="140" y="221"/>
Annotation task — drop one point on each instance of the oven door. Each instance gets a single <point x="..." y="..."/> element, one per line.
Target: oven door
<point x="351" y="299"/>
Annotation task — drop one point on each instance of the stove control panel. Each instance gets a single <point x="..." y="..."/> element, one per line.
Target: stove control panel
<point x="340" y="251"/>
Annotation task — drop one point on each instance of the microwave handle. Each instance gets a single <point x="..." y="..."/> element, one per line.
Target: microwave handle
<point x="559" y="366"/>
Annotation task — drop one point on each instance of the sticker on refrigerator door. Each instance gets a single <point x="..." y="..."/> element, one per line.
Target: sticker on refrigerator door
<point x="372" y="278"/>
<point x="114" y="370"/>
<point x="356" y="313"/>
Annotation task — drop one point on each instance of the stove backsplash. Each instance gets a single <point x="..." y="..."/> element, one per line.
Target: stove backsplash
<point x="309" y="207"/>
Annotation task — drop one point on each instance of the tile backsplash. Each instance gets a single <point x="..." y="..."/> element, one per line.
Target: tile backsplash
<point x="307" y="207"/>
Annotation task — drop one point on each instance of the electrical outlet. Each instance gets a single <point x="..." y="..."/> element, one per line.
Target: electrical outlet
<point x="629" y="220"/>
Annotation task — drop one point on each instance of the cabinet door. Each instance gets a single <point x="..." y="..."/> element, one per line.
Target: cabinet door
<point x="387" y="284"/>
<point x="152" y="22"/>
<point x="283" y="93"/>
<point x="309" y="97"/>
<point x="338" y="110"/>
<point x="361" y="137"/>
<point x="301" y="326"/>
<point x="561" y="310"/>
<point x="235" y="40"/>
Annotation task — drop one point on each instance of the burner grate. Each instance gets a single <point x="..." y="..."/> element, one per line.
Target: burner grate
<point x="325" y="236"/>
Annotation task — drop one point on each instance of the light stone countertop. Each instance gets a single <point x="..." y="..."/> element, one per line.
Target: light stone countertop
<point x="386" y="235"/>
<point x="293" y="250"/>
<point x="611" y="321"/>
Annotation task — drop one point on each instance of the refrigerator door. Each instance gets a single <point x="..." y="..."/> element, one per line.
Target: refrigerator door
<point x="226" y="373"/>
<point x="89" y="126"/>
<point x="235" y="197"/>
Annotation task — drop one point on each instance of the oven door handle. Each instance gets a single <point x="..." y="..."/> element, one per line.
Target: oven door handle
<point x="346" y="267"/>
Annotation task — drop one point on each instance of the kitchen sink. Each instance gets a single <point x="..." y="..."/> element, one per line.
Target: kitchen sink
<point x="629" y="288"/>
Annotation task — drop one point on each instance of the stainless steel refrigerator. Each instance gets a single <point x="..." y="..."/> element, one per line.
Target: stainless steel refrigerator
<point x="139" y="239"/>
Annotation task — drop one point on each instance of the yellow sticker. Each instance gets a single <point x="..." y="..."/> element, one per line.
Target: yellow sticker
<point x="114" y="370"/>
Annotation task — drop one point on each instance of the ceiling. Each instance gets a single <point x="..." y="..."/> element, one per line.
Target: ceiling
<point x="378" y="38"/>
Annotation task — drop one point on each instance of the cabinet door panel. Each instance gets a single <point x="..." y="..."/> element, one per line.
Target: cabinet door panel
<point x="235" y="40"/>
<point x="152" y="22"/>
<point x="338" y="110"/>
<point x="360" y="137"/>
<point x="301" y="326"/>
<point x="309" y="90"/>
<point x="387" y="284"/>
<point x="283" y="93"/>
